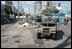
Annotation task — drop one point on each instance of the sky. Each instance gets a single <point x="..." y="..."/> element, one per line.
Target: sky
<point x="66" y="5"/>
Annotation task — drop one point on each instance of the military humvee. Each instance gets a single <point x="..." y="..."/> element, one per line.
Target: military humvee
<point x="47" y="29"/>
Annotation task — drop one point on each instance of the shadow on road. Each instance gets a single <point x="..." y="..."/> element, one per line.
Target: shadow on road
<point x="11" y="22"/>
<point x="65" y="43"/>
<point x="60" y="34"/>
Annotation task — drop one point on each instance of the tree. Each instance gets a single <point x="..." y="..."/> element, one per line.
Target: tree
<point x="8" y="8"/>
<point x="55" y="10"/>
<point x="49" y="11"/>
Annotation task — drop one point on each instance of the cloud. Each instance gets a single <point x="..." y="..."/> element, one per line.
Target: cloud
<point x="30" y="2"/>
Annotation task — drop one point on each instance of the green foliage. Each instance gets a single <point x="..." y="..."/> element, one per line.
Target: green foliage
<point x="8" y="9"/>
<point x="64" y="19"/>
<point x="49" y="10"/>
<point x="55" y="11"/>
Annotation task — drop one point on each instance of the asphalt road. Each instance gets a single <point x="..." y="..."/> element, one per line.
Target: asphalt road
<point x="25" y="37"/>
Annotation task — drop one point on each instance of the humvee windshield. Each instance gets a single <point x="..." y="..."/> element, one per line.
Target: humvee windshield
<point x="49" y="24"/>
<point x="44" y="24"/>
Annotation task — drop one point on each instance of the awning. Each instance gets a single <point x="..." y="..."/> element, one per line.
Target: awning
<point x="58" y="14"/>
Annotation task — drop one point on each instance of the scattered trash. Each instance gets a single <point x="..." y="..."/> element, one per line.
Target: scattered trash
<point x="17" y="24"/>
<point x="25" y="24"/>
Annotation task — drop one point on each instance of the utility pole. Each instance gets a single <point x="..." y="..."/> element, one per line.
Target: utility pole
<point x="18" y="10"/>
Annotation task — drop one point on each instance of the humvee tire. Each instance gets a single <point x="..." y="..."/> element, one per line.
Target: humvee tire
<point x="39" y="35"/>
<point x="54" y="36"/>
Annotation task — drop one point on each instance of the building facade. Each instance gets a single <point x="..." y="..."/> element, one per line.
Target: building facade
<point x="37" y="7"/>
<point x="26" y="10"/>
<point x="21" y="10"/>
<point x="40" y="5"/>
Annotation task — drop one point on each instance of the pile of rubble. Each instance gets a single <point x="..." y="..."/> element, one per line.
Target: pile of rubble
<point x="20" y="24"/>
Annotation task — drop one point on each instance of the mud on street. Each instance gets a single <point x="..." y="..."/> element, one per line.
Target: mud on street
<point x="25" y="37"/>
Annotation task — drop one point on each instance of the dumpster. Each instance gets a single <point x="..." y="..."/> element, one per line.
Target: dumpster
<point x="33" y="17"/>
<point x="38" y="19"/>
<point x="61" y="19"/>
<point x="56" y="19"/>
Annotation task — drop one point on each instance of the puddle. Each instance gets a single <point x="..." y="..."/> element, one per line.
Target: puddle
<point x="27" y="46"/>
<point x="15" y="36"/>
<point x="17" y="41"/>
<point x="4" y="35"/>
<point x="4" y="41"/>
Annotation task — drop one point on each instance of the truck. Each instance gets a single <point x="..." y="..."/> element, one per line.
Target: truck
<point x="47" y="29"/>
